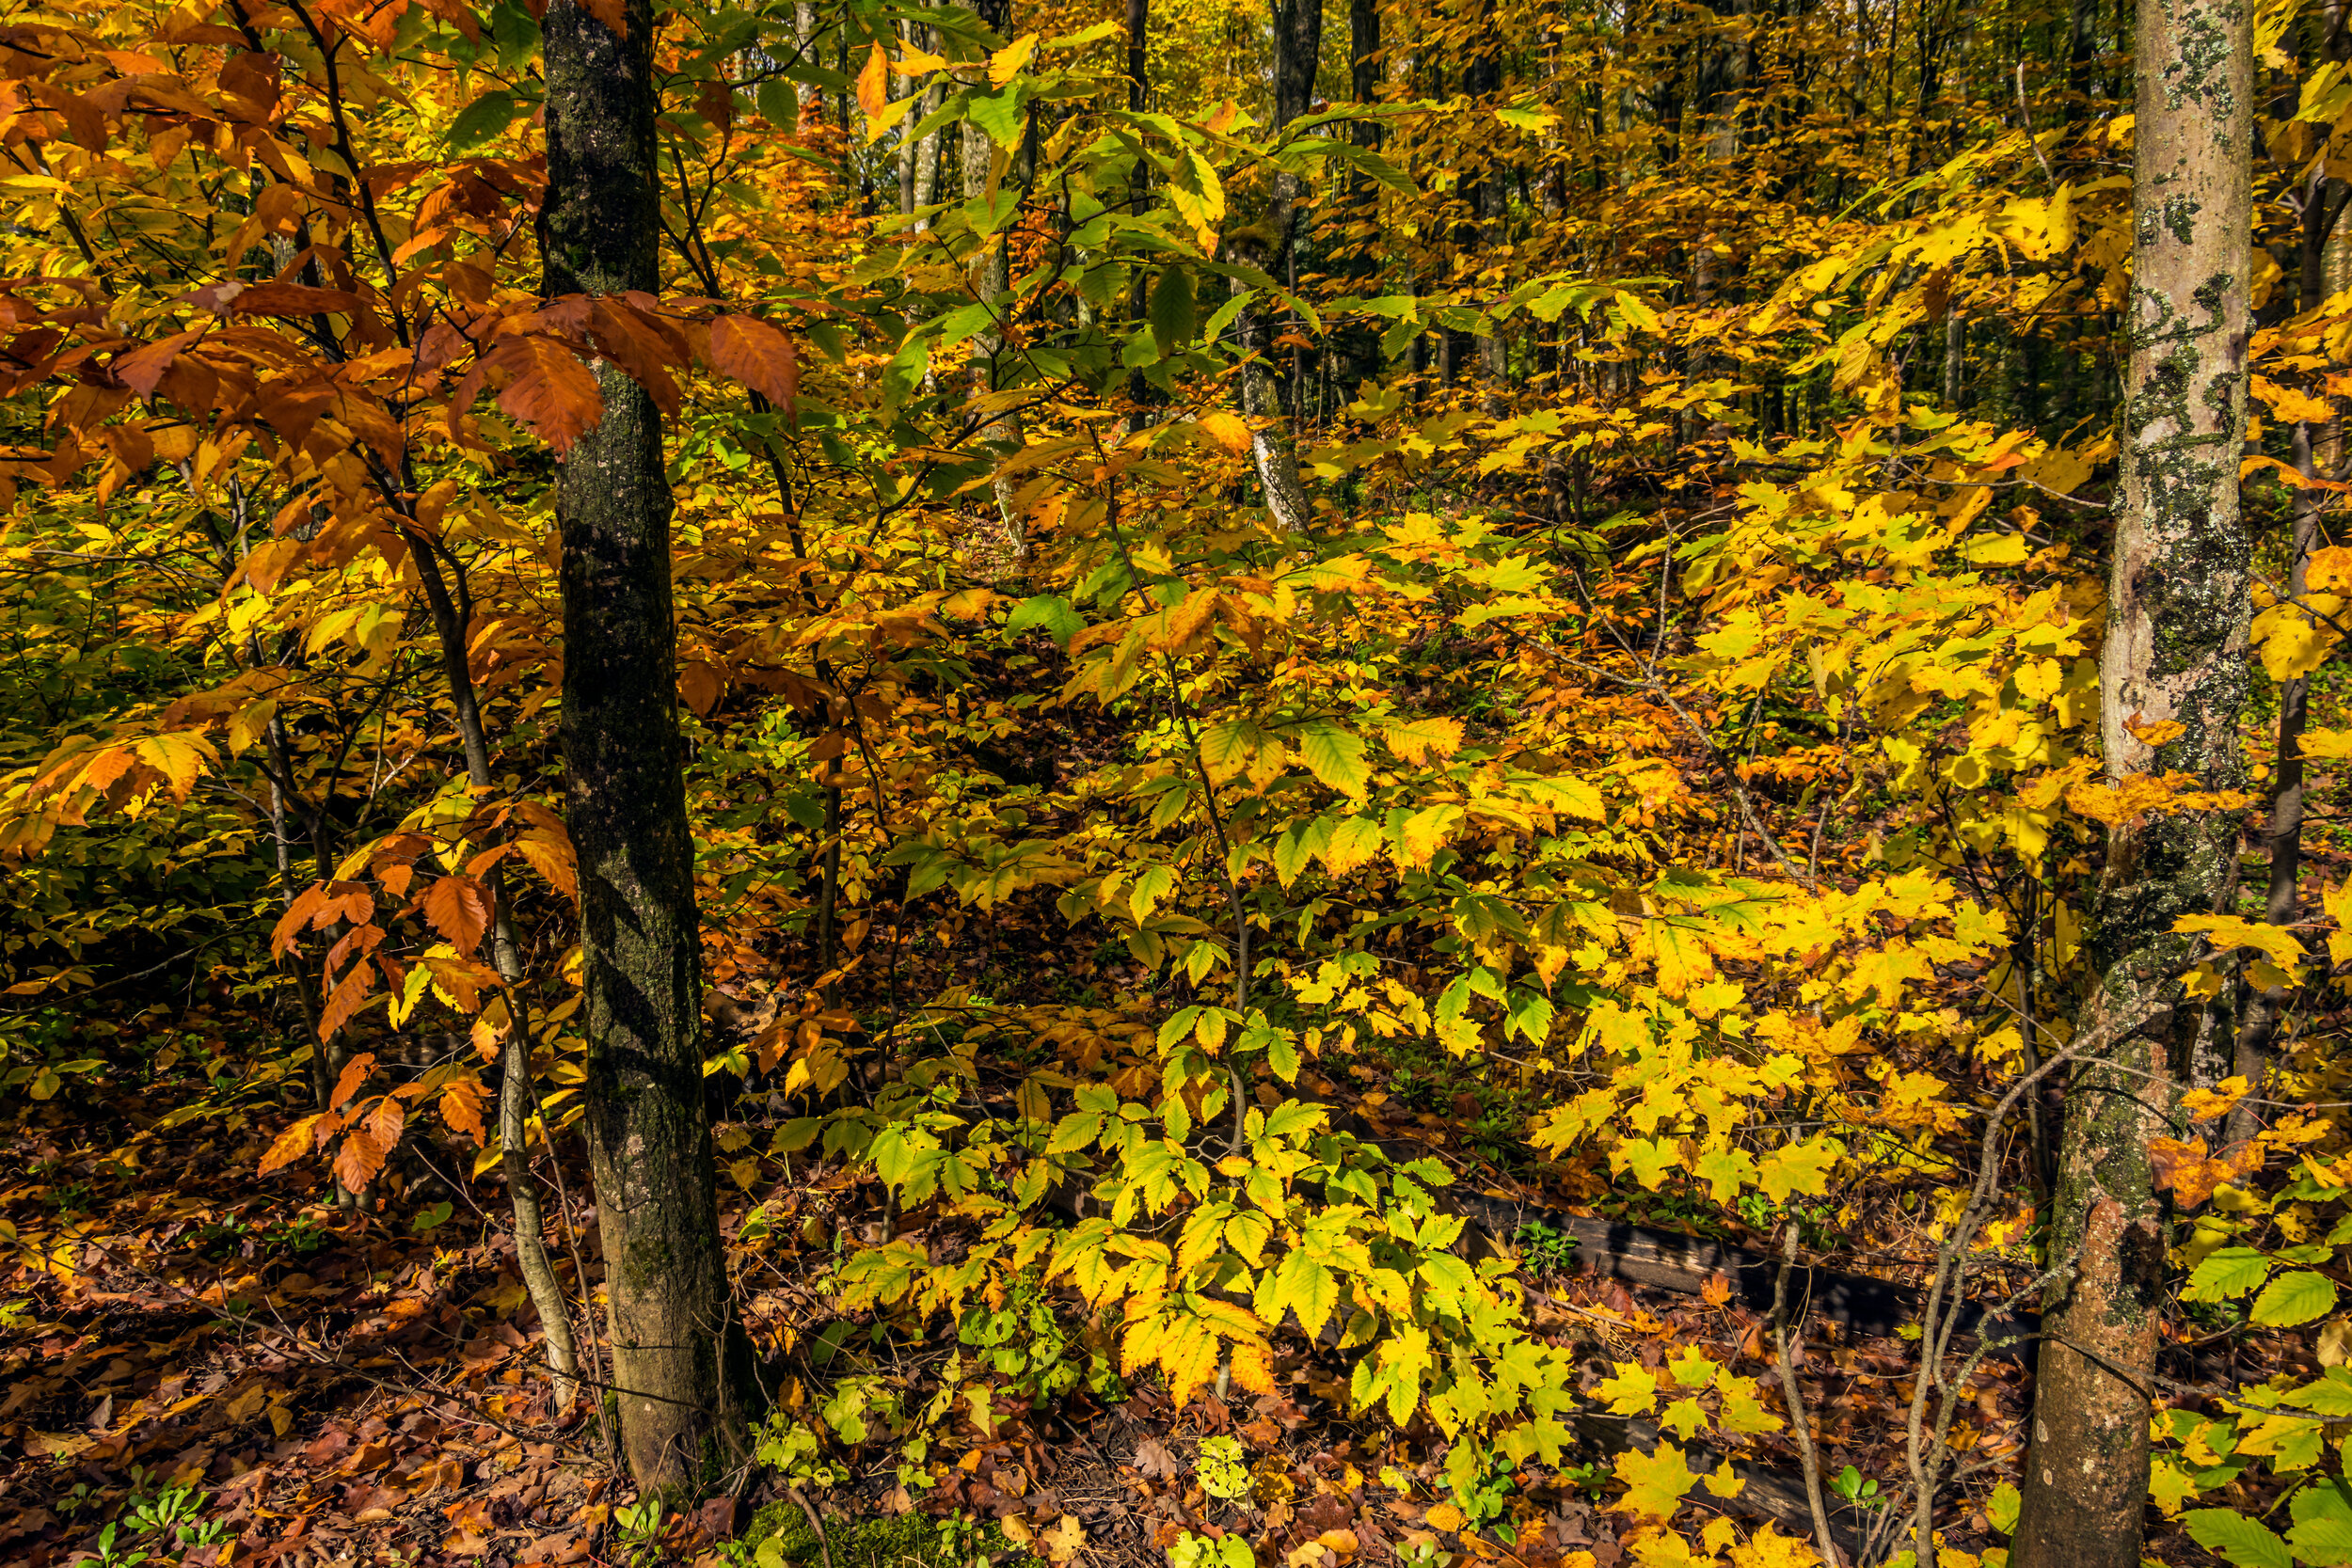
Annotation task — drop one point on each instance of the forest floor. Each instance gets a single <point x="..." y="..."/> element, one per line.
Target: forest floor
<point x="188" y="1350"/>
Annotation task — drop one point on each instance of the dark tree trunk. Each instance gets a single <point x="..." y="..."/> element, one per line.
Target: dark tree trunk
<point x="2175" y="654"/>
<point x="676" y="1353"/>
<point x="1138" y="62"/>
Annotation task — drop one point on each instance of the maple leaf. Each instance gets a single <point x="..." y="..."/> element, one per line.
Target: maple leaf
<point x="1632" y="1392"/>
<point x="1156" y="1461"/>
<point x="1655" y="1482"/>
<point x="1065" y="1538"/>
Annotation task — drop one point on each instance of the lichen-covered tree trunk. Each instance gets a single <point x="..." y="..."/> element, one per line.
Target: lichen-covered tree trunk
<point x="648" y="1132"/>
<point x="2174" y="684"/>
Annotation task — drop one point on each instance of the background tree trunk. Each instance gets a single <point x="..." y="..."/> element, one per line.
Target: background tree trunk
<point x="1273" y="444"/>
<point x="673" y="1344"/>
<point x="2175" y="651"/>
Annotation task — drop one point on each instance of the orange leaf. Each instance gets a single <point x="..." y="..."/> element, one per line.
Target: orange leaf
<point x="548" y="390"/>
<point x="356" y="1073"/>
<point x="613" y="13"/>
<point x="344" y="1000"/>
<point x="631" y="342"/>
<point x="699" y="684"/>
<point x="746" y="349"/>
<point x="551" y="856"/>
<point x="385" y="1122"/>
<point x="358" y="1159"/>
<point x="460" y="909"/>
<point x="307" y="903"/>
<point x="461" y="1108"/>
<point x="873" y="91"/>
<point x="296" y="1141"/>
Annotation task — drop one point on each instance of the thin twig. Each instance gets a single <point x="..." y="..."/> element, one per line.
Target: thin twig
<point x="1799" y="1420"/>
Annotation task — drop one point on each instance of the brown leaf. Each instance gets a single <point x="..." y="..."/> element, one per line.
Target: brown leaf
<point x="460" y="909"/>
<point x="548" y="390"/>
<point x="629" y="340"/>
<point x="613" y="13"/>
<point x="359" y="1158"/>
<point x="355" y="1073"/>
<point x="748" y="350"/>
<point x="700" y="685"/>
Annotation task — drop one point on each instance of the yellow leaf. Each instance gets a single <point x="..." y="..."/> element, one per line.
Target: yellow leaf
<point x="1655" y="1482"/>
<point x="1632" y="1392"/>
<point x="2149" y="733"/>
<point x="873" y="87"/>
<point x="2208" y="1104"/>
<point x="1004" y="65"/>
<point x="1723" y="1483"/>
<point x="1444" y="1516"/>
<point x="1799" y="1169"/>
<point x="2293" y="642"/>
<point x="1225" y="429"/>
<point x="2275" y="942"/>
<point x="1423" y="738"/>
<point x="1768" y="1548"/>
<point x="1063" y="1540"/>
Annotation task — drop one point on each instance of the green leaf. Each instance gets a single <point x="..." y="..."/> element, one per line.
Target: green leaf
<point x="2233" y="1270"/>
<point x="2246" y="1542"/>
<point x="483" y="119"/>
<point x="1172" y="313"/>
<point x="1282" y="1056"/>
<point x="1050" y="612"/>
<point x="2296" y="1297"/>
<point x="1000" y="115"/>
<point x="1335" y="755"/>
<point x="779" y="106"/>
<point x="1307" y="1288"/>
<point x="2001" y="1509"/>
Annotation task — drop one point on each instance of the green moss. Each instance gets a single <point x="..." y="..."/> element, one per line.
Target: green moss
<point x="903" y="1541"/>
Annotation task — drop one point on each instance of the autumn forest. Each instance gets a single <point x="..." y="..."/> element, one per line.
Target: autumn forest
<point x="1175" y="784"/>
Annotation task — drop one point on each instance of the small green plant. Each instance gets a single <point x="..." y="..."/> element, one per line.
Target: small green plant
<point x="640" y="1528"/>
<point x="1224" y="1467"/>
<point x="1848" y="1485"/>
<point x="165" y="1527"/>
<point x="1026" y="1342"/>
<point x="797" y="1454"/>
<point x="1544" y="1250"/>
<point x="1485" y="1499"/>
<point x="1200" y="1551"/>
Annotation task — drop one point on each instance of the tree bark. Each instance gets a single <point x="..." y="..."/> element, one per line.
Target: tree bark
<point x="678" y="1357"/>
<point x="1139" y="62"/>
<point x="989" y="272"/>
<point x="2175" y="652"/>
<point x="1273" y="444"/>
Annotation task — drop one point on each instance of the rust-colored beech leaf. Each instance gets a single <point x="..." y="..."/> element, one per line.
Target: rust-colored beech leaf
<point x="460" y="909"/>
<point x="461" y="1108"/>
<point x="747" y="350"/>
<point x="296" y="1141"/>
<point x="548" y="390"/>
